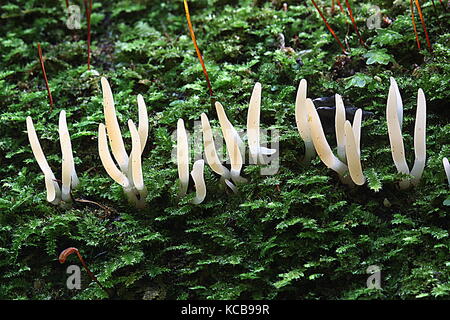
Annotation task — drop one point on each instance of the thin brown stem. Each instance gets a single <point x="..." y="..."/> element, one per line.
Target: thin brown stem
<point x="328" y="26"/>
<point x="88" y="17"/>
<point x="194" y="40"/>
<point x="419" y="9"/>
<point x="50" y="98"/>
<point x="340" y="6"/>
<point x="350" y="12"/>
<point x="67" y="252"/>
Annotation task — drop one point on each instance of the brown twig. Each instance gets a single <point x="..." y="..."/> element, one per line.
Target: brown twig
<point x="67" y="252"/>
<point x="411" y="7"/>
<point x="50" y="98"/>
<point x="419" y="9"/>
<point x="194" y="40"/>
<point x="340" y="6"/>
<point x="328" y="26"/>
<point x="88" y="17"/>
<point x="350" y="12"/>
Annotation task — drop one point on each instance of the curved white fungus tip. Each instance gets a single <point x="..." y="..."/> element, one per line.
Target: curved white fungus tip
<point x="339" y="127"/>
<point x="232" y="142"/>
<point x="353" y="158"/>
<point x="199" y="181"/>
<point x="419" y="138"/>
<point x="182" y="157"/>
<point x="357" y="129"/>
<point x="398" y="101"/>
<point x="395" y="135"/>
<point x="53" y="191"/>
<point x="447" y="169"/>
<point x="112" y="126"/>
<point x="143" y="121"/>
<point x="52" y="188"/>
<point x="301" y="119"/>
<point x="135" y="157"/>
<point x="107" y="160"/>
<point x="68" y="165"/>
<point x="210" y="149"/>
<point x="320" y="142"/>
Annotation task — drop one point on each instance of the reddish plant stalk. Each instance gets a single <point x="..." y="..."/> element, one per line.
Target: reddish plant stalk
<point x="67" y="252"/>
<point x="328" y="26"/>
<point x="67" y="4"/>
<point x="419" y="9"/>
<point x="194" y="40"/>
<point x="88" y="17"/>
<point x="411" y="7"/>
<point x="340" y="6"/>
<point x="350" y="12"/>
<point x="332" y="6"/>
<point x="50" y="98"/>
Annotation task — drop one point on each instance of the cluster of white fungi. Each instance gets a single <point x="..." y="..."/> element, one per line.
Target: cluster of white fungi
<point x="126" y="169"/>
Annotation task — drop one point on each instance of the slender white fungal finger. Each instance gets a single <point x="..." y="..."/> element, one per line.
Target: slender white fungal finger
<point x="253" y="115"/>
<point x="357" y="129"/>
<point x="339" y="127"/>
<point x="232" y="142"/>
<point x="143" y="121"/>
<point x="301" y="119"/>
<point x="107" y="160"/>
<point x="135" y="158"/>
<point x="68" y="165"/>
<point x="199" y="181"/>
<point x="419" y="138"/>
<point x="320" y="142"/>
<point x="395" y="134"/>
<point x="353" y="159"/>
<point x="447" y="169"/>
<point x="112" y="126"/>
<point x="182" y="157"/>
<point x="53" y="191"/>
<point x="210" y="149"/>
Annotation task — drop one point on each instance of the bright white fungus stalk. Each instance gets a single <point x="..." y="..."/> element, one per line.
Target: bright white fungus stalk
<point x="112" y="127"/>
<point x="339" y="127"/>
<point x="419" y="138"/>
<point x="143" y="121"/>
<point x="357" y="119"/>
<point x="320" y="142"/>
<point x="301" y="119"/>
<point x="129" y="174"/>
<point x="53" y="191"/>
<point x="210" y="149"/>
<point x="182" y="157"/>
<point x="253" y="120"/>
<point x="352" y="155"/>
<point x="107" y="161"/>
<point x="395" y="132"/>
<point x="447" y="169"/>
<point x="69" y="175"/>
<point x="199" y="181"/>
<point x="233" y="142"/>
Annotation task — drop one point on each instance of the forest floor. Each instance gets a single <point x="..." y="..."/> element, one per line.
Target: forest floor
<point x="297" y="234"/>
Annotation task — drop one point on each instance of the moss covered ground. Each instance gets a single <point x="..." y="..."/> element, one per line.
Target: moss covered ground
<point x="298" y="234"/>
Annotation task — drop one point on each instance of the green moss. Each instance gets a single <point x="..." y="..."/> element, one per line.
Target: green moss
<point x="297" y="234"/>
